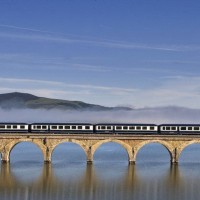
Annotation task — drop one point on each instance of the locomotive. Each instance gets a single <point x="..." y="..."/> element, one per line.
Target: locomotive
<point x="87" y="128"/>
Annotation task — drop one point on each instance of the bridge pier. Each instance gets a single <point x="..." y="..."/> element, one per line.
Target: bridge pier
<point x="47" y="156"/>
<point x="174" y="162"/>
<point x="132" y="155"/>
<point x="89" y="155"/>
<point x="131" y="162"/>
<point x="5" y="161"/>
<point x="174" y="156"/>
<point x="89" y="162"/>
<point x="5" y="156"/>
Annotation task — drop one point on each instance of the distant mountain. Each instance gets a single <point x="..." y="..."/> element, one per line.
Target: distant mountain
<point x="18" y="100"/>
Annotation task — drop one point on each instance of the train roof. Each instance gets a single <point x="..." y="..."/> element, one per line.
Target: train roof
<point x="60" y="124"/>
<point x="124" y="124"/>
<point x="179" y="125"/>
<point x="100" y="124"/>
<point x="13" y="123"/>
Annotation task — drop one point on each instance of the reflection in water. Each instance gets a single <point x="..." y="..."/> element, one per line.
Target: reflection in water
<point x="131" y="182"/>
<point x="110" y="178"/>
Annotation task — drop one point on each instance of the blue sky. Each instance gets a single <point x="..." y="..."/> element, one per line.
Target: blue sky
<point x="125" y="52"/>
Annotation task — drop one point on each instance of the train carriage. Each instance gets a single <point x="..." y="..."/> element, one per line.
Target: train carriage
<point x="126" y="128"/>
<point x="189" y="129"/>
<point x="71" y="128"/>
<point x="39" y="128"/>
<point x="14" y="128"/>
<point x="61" y="128"/>
<point x="135" y="129"/>
<point x="182" y="129"/>
<point x="104" y="128"/>
<point x="169" y="129"/>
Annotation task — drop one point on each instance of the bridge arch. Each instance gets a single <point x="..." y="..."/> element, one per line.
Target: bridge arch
<point x="167" y="146"/>
<point x="9" y="147"/>
<point x="185" y="145"/>
<point x="80" y="143"/>
<point x="126" y="146"/>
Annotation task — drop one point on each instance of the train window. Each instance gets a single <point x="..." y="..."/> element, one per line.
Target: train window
<point x="173" y="128"/>
<point x="163" y="128"/>
<point x="87" y="127"/>
<point x="54" y="127"/>
<point x="44" y="127"/>
<point x="8" y="126"/>
<point x="118" y="128"/>
<point x="138" y="127"/>
<point x="38" y="127"/>
<point x="80" y="127"/>
<point x="2" y="126"/>
<point x="125" y="127"/>
<point x="151" y="128"/>
<point x="144" y="128"/>
<point x="189" y="128"/>
<point x="109" y="127"/>
<point x="60" y="127"/>
<point x="73" y="127"/>
<point x="14" y="126"/>
<point x="196" y="128"/>
<point x="183" y="128"/>
<point x="67" y="127"/>
<point x="22" y="127"/>
<point x="131" y="127"/>
<point x="103" y="127"/>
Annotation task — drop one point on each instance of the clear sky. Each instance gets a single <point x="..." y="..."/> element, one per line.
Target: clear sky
<point x="109" y="52"/>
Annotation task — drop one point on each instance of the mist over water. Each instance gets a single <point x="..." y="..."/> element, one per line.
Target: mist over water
<point x="145" y="115"/>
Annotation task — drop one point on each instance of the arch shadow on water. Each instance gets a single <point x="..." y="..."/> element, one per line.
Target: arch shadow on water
<point x="68" y="161"/>
<point x="110" y="162"/>
<point x="27" y="161"/>
<point x="153" y="153"/>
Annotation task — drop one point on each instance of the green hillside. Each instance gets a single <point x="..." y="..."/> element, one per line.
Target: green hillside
<point x="24" y="100"/>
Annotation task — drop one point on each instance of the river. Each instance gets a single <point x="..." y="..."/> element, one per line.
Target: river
<point x="110" y="177"/>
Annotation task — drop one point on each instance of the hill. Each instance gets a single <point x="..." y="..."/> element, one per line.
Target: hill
<point x="17" y="100"/>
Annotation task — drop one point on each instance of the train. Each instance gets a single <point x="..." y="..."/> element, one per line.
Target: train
<point x="87" y="128"/>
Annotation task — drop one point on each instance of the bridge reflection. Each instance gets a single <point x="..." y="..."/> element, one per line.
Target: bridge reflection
<point x="126" y="182"/>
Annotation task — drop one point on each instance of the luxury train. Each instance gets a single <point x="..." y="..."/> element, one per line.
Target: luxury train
<point x="86" y="128"/>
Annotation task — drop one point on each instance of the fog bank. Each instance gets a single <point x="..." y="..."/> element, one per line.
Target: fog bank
<point x="145" y="115"/>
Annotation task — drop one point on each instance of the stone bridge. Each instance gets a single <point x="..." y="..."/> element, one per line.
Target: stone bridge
<point x="90" y="143"/>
